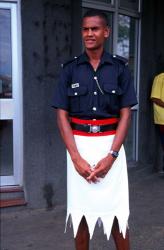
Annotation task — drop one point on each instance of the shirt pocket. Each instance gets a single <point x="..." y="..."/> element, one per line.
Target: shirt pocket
<point x="77" y="98"/>
<point x="111" y="100"/>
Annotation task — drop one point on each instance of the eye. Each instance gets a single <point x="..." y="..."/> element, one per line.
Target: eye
<point x="85" y="29"/>
<point x="95" y="28"/>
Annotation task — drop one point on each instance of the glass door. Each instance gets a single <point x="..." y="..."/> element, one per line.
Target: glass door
<point x="10" y="97"/>
<point x="127" y="46"/>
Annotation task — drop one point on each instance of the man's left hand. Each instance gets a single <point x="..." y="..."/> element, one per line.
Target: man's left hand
<point x="102" y="168"/>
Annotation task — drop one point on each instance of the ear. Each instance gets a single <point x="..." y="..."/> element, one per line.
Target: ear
<point x="106" y="32"/>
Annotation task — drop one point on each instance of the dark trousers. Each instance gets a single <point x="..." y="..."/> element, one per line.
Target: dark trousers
<point x="160" y="129"/>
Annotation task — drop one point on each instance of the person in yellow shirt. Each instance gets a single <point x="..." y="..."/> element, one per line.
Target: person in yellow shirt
<point x="157" y="97"/>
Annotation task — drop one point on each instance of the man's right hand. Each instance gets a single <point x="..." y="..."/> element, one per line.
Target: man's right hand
<point x="84" y="169"/>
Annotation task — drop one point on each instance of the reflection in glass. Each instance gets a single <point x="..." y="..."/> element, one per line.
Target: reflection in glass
<point x="130" y="4"/>
<point x="108" y="42"/>
<point x="6" y="148"/>
<point x="105" y="1"/>
<point x="5" y="54"/>
<point x="130" y="139"/>
<point x="126" y="44"/>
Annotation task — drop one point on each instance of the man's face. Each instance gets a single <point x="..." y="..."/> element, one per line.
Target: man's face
<point x="94" y="32"/>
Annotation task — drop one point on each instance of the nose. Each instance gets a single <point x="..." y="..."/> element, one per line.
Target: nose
<point x="90" y="33"/>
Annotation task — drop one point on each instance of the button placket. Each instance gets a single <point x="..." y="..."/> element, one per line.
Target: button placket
<point x="94" y="108"/>
<point x="98" y="85"/>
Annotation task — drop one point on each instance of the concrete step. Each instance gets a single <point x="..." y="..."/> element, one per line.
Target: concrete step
<point x="11" y="192"/>
<point x="12" y="202"/>
<point x="12" y="196"/>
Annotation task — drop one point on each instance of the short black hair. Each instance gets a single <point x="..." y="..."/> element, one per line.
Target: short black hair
<point x="93" y="12"/>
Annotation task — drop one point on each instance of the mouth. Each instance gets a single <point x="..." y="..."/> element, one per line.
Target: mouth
<point x="89" y="40"/>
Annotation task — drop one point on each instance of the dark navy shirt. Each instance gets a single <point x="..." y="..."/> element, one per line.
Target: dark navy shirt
<point x="99" y="94"/>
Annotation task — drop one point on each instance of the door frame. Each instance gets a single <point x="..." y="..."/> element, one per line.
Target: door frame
<point x="12" y="109"/>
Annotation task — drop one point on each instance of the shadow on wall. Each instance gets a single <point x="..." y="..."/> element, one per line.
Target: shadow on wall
<point x="48" y="194"/>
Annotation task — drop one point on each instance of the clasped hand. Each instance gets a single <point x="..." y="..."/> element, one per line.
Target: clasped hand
<point x="94" y="174"/>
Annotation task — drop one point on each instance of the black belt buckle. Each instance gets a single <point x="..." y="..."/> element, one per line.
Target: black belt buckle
<point x="94" y="129"/>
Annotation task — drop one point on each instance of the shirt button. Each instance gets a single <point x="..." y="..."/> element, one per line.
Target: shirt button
<point x="94" y="108"/>
<point x="95" y="93"/>
<point x="75" y="93"/>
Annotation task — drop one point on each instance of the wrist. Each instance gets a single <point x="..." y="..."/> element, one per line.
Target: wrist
<point x="114" y="153"/>
<point x="75" y="157"/>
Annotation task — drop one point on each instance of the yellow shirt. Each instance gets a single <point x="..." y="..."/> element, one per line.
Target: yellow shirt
<point x="158" y="92"/>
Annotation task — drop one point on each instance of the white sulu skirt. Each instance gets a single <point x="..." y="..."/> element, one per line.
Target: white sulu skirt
<point x="104" y="200"/>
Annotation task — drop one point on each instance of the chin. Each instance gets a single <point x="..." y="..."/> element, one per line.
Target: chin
<point x="91" y="48"/>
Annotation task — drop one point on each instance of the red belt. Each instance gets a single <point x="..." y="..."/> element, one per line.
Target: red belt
<point x="94" y="127"/>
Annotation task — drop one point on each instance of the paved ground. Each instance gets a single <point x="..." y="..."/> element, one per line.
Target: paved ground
<point x="43" y="230"/>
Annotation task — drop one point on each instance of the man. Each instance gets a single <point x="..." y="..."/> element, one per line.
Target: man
<point x="157" y="97"/>
<point x="93" y="100"/>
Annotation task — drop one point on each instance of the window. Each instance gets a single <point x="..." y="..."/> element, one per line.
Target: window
<point x="127" y="47"/>
<point x="127" y="40"/>
<point x="5" y="54"/>
<point x="129" y="4"/>
<point x="6" y="146"/>
<point x="104" y="1"/>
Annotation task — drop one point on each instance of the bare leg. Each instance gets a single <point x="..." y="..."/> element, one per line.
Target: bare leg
<point x="82" y="237"/>
<point x="120" y="242"/>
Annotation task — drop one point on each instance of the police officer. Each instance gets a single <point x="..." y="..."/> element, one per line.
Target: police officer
<point x="93" y="98"/>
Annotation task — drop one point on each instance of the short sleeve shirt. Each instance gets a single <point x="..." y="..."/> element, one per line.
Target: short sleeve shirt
<point x="89" y="94"/>
<point x="158" y="92"/>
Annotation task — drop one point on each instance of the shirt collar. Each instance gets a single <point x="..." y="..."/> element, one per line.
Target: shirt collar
<point x="83" y="58"/>
<point x="106" y="58"/>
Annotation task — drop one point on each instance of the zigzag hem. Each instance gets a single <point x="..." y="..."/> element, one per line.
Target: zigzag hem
<point x="106" y="220"/>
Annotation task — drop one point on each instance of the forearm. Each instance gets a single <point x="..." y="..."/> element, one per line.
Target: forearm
<point x="80" y="164"/>
<point x="159" y="102"/>
<point x="122" y="129"/>
<point x="66" y="133"/>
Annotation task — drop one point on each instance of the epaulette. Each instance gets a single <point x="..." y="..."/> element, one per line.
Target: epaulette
<point x="121" y="59"/>
<point x="69" y="61"/>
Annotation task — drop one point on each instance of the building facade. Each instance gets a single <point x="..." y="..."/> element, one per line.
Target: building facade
<point x="36" y="37"/>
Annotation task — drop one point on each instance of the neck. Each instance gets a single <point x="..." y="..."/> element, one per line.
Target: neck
<point x="95" y="55"/>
